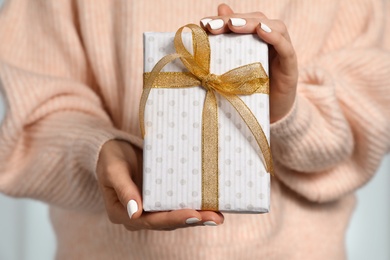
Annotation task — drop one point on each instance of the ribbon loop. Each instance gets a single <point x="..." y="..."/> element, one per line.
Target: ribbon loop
<point x="244" y="80"/>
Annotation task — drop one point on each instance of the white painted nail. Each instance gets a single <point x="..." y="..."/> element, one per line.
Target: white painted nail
<point x="216" y="24"/>
<point x="132" y="207"/>
<point x="210" y="223"/>
<point x="265" y="28"/>
<point x="239" y="22"/>
<point x="205" y="21"/>
<point x="192" y="220"/>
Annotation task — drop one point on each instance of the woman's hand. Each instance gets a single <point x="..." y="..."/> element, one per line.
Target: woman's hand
<point x="283" y="61"/>
<point x="119" y="174"/>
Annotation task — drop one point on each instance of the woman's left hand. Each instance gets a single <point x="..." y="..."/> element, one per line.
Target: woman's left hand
<point x="283" y="60"/>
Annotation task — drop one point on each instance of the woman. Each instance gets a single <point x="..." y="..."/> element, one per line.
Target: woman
<point x="71" y="72"/>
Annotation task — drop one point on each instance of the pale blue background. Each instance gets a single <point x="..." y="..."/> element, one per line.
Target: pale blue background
<point x="26" y="234"/>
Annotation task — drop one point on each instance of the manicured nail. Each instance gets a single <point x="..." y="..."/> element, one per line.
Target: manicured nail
<point x="210" y="223"/>
<point x="216" y="24"/>
<point x="265" y="28"/>
<point x="239" y="22"/>
<point x="192" y="220"/>
<point x="132" y="207"/>
<point x="205" y="21"/>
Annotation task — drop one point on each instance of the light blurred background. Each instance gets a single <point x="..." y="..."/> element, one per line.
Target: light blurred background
<point x="26" y="233"/>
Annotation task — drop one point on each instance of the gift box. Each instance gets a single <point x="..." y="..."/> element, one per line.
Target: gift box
<point x="194" y="160"/>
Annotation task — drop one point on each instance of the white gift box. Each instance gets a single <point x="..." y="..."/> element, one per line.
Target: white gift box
<point x="172" y="177"/>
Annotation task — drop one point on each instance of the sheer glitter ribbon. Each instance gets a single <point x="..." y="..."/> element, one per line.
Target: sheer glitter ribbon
<point x="244" y="80"/>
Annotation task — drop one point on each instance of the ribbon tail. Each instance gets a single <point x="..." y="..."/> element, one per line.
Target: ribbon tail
<point x="254" y="126"/>
<point x="210" y="153"/>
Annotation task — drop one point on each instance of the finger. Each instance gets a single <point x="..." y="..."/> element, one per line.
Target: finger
<point x="117" y="214"/>
<point x="243" y="25"/>
<point x="224" y="9"/>
<point x="278" y="26"/>
<point x="249" y="25"/>
<point x="219" y="24"/>
<point x="282" y="46"/>
<point x="211" y="218"/>
<point x="167" y="220"/>
<point x="126" y="190"/>
<point x="273" y="32"/>
<point x="215" y="24"/>
<point x="259" y="15"/>
<point x="170" y="220"/>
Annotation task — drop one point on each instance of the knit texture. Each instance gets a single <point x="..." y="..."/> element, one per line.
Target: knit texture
<point x="71" y="75"/>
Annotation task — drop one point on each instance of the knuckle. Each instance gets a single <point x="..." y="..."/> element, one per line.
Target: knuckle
<point x="122" y="193"/>
<point x="113" y="169"/>
<point x="147" y="225"/>
<point x="135" y="226"/>
<point x="277" y="39"/>
<point x="291" y="54"/>
<point x="259" y="14"/>
<point x="280" y="25"/>
<point x="131" y="228"/>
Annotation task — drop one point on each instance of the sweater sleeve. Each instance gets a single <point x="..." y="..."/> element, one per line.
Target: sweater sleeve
<point x="338" y="131"/>
<point x="55" y="121"/>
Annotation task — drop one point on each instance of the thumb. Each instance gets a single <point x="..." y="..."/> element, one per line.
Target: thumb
<point x="129" y="195"/>
<point x="224" y="9"/>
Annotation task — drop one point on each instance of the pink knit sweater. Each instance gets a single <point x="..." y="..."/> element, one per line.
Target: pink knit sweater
<point x="71" y="74"/>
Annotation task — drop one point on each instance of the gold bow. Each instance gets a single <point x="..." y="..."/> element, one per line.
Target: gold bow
<point x="244" y="80"/>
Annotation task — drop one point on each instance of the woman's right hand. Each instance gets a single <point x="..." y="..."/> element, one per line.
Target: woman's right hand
<point x="119" y="174"/>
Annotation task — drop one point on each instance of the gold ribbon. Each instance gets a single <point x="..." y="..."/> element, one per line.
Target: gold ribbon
<point x="244" y="80"/>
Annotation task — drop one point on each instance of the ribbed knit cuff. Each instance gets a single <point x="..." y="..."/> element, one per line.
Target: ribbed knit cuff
<point x="90" y="138"/>
<point x="294" y="123"/>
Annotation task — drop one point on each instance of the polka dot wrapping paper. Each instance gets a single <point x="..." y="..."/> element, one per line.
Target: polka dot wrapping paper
<point x="172" y="170"/>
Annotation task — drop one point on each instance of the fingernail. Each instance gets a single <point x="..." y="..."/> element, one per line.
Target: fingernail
<point x="239" y="22"/>
<point x="216" y="24"/>
<point x="210" y="223"/>
<point x="265" y="28"/>
<point x="205" y="21"/>
<point x="132" y="207"/>
<point x="192" y="220"/>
